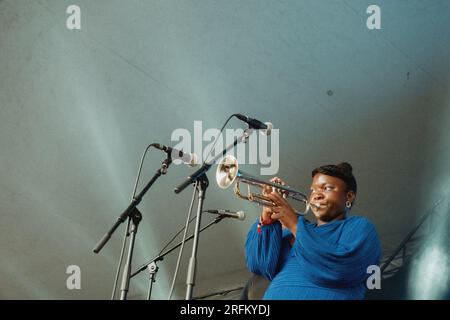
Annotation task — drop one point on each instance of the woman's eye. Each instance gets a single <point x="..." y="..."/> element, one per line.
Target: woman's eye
<point x="328" y="188"/>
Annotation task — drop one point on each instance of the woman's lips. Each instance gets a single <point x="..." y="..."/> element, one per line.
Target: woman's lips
<point x="318" y="205"/>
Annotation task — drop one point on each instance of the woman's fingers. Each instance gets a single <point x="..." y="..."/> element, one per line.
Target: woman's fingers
<point x="278" y="180"/>
<point x="277" y="199"/>
<point x="276" y="215"/>
<point x="266" y="190"/>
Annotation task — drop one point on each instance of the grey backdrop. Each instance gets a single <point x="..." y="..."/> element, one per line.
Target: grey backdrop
<point x="78" y="107"/>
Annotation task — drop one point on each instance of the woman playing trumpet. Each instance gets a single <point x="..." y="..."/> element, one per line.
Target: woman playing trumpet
<point x="327" y="259"/>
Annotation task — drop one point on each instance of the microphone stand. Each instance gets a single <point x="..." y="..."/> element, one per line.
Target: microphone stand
<point x="152" y="265"/>
<point x="202" y="185"/>
<point x="200" y="176"/>
<point x="134" y="216"/>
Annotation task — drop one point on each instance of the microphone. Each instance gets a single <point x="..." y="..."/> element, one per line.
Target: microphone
<point x="188" y="158"/>
<point x="240" y="215"/>
<point x="256" y="124"/>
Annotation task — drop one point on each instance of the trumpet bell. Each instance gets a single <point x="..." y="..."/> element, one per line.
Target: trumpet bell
<point x="227" y="171"/>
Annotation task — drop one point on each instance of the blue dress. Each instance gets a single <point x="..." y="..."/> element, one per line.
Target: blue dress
<point x="325" y="262"/>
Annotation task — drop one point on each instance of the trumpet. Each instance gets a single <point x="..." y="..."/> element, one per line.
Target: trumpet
<point x="228" y="172"/>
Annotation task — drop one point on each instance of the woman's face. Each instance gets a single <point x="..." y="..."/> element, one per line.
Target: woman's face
<point x="330" y="195"/>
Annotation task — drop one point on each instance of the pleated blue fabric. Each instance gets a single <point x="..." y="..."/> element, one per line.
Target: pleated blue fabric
<point x="325" y="262"/>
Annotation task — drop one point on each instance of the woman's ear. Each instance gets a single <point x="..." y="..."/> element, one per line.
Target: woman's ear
<point x="351" y="196"/>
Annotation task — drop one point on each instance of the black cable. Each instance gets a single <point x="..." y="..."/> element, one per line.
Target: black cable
<point x="221" y="130"/>
<point x="174" y="237"/>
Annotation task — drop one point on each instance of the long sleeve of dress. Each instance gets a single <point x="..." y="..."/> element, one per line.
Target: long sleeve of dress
<point x="262" y="250"/>
<point x="338" y="255"/>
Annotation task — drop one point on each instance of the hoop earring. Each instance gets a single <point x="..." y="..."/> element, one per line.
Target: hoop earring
<point x="348" y="204"/>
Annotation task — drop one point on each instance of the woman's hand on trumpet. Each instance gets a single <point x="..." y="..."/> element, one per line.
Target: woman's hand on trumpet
<point x="282" y="210"/>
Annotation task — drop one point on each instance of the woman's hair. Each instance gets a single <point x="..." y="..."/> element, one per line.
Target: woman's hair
<point x="342" y="171"/>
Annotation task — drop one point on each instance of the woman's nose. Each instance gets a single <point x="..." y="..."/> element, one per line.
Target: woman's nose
<point x="317" y="196"/>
